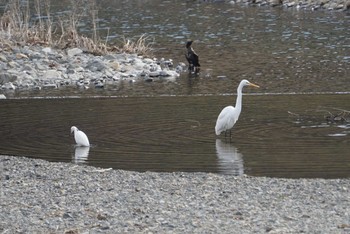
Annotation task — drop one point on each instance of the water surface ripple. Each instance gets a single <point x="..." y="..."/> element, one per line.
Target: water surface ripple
<point x="177" y="134"/>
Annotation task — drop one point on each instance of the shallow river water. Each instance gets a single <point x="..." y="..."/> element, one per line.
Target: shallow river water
<point x="300" y="59"/>
<point x="176" y="133"/>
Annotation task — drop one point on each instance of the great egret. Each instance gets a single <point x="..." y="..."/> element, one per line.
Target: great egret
<point x="80" y="137"/>
<point x="192" y="58"/>
<point x="229" y="115"/>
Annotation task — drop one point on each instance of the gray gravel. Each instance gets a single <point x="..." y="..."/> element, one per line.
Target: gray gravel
<point x="33" y="68"/>
<point x="41" y="197"/>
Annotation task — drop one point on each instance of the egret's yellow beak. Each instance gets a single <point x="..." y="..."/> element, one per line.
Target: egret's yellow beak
<point x="254" y="85"/>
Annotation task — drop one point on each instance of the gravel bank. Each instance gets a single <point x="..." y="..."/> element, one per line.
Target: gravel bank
<point x="36" y="67"/>
<point x="40" y="197"/>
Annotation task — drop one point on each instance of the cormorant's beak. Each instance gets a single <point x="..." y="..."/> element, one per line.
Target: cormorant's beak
<point x="254" y="85"/>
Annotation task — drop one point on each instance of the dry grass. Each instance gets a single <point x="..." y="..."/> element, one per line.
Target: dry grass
<point x="18" y="28"/>
<point x="139" y="47"/>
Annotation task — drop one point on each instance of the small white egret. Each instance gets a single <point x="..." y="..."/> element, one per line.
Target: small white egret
<point x="80" y="137"/>
<point x="229" y="115"/>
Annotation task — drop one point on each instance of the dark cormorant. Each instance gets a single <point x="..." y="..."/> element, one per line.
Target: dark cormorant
<point x="192" y="58"/>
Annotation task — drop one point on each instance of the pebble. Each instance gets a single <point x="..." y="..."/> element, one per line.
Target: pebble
<point x="38" y="196"/>
<point x="36" y="67"/>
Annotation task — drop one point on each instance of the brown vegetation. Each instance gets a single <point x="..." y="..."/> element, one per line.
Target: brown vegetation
<point x="17" y="27"/>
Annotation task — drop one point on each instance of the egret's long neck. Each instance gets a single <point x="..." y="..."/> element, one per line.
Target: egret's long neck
<point x="239" y="97"/>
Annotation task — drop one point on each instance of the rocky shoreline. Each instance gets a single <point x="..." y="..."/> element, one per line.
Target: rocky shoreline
<point x="44" y="197"/>
<point x="37" y="67"/>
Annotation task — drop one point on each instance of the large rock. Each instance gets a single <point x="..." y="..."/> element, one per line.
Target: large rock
<point x="5" y="78"/>
<point x="51" y="74"/>
<point x="73" y="52"/>
<point x="9" y="86"/>
<point x="96" y="65"/>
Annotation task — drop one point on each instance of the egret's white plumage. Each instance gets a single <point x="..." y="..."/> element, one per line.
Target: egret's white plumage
<point x="80" y="137"/>
<point x="230" y="114"/>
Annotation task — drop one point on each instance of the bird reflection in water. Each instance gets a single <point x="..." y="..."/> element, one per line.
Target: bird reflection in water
<point x="81" y="154"/>
<point x="230" y="161"/>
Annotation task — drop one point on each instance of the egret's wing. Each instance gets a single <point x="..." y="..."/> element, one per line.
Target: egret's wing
<point x="226" y="120"/>
<point x="82" y="139"/>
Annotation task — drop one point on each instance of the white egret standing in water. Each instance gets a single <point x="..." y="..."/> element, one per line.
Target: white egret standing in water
<point x="229" y="115"/>
<point x="80" y="137"/>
